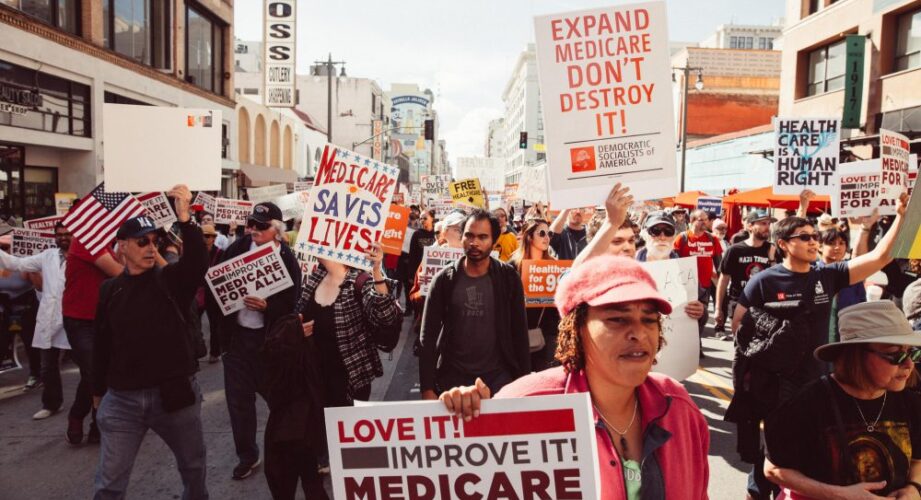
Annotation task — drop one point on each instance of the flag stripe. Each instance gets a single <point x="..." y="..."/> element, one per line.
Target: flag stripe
<point x="95" y="221"/>
<point x="114" y="219"/>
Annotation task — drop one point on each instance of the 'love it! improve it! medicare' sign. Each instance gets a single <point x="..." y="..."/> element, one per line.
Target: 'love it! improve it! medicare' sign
<point x="259" y="272"/>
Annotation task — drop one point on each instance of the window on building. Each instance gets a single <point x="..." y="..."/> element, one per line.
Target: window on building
<point x="63" y="14"/>
<point x="766" y="43"/>
<point x="204" y="47"/>
<point x="814" y="6"/>
<point x="113" y="98"/>
<point x="251" y="91"/>
<point x="908" y="41"/>
<point x="139" y="29"/>
<point x="43" y="102"/>
<point x="826" y="69"/>
<point x="748" y="42"/>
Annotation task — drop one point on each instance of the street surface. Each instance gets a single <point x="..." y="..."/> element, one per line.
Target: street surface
<point x="37" y="464"/>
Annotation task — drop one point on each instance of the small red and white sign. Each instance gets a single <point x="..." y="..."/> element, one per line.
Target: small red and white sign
<point x="229" y="211"/>
<point x="259" y="272"/>
<point x="28" y="242"/>
<point x="158" y="209"/>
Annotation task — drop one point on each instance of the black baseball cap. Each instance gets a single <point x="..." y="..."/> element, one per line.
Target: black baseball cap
<point x="657" y="218"/>
<point x="758" y="214"/>
<point x="266" y="212"/>
<point x="136" y="227"/>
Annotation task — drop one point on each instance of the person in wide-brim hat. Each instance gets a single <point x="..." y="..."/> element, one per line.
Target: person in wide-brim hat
<point x="879" y="322"/>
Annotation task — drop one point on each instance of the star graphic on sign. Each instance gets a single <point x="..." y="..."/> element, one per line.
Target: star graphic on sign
<point x="367" y="162"/>
<point x="340" y="254"/>
<point x="301" y="245"/>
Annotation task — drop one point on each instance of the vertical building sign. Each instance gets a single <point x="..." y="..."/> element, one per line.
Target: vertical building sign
<point x="377" y="128"/>
<point x="853" y="81"/>
<point x="279" y="43"/>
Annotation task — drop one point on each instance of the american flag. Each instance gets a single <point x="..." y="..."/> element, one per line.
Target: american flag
<point x="96" y="219"/>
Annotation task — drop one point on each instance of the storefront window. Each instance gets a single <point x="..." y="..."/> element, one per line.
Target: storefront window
<point x="26" y="192"/>
<point x="36" y="100"/>
<point x="60" y="13"/>
<point x="826" y="69"/>
<point x="204" y="51"/>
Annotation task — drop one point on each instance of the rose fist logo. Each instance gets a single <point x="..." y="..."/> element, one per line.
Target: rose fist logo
<point x="583" y="159"/>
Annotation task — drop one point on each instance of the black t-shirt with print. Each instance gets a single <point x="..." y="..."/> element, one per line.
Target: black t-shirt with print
<point x="741" y="262"/>
<point x="779" y="291"/>
<point x="802" y="435"/>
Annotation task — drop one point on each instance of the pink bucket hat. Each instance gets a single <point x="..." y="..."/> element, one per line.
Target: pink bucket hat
<point x="607" y="280"/>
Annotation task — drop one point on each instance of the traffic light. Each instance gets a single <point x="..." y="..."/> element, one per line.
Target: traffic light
<point x="523" y="141"/>
<point x="430" y="130"/>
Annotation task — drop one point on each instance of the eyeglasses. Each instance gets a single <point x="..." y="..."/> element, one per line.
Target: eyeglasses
<point x="804" y="237"/>
<point x="660" y="230"/>
<point x="143" y="242"/>
<point x="898" y="357"/>
<point x="259" y="226"/>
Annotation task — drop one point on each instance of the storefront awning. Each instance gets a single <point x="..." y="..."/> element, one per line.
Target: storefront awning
<point x="257" y="176"/>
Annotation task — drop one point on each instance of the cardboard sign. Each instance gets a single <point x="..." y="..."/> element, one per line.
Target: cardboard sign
<point x="43" y="224"/>
<point x="441" y="207"/>
<point x="395" y="230"/>
<point x="467" y="193"/>
<point x="186" y="148"/>
<point x="540" y="278"/>
<point x="348" y="207"/>
<point x="292" y="205"/>
<point x="605" y="86"/>
<point x="434" y="259"/>
<point x="28" y="242"/>
<point x="303" y="185"/>
<point x="908" y="241"/>
<point x="158" y="209"/>
<point x="63" y="202"/>
<point x="490" y="171"/>
<point x="806" y="154"/>
<point x="435" y="187"/>
<point x="527" y="448"/>
<point x="894" y="154"/>
<point x="399" y="198"/>
<point x="676" y="279"/>
<point x="229" y="211"/>
<point x="532" y="186"/>
<point x="259" y="272"/>
<point x="711" y="204"/>
<point x="267" y="193"/>
<point x="207" y="202"/>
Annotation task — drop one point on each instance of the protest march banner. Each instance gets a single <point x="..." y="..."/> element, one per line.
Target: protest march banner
<point x="348" y="207"/>
<point x="63" y="202"/>
<point x="467" y="193"/>
<point x="43" y="224"/>
<point x="908" y="241"/>
<point x="395" y="230"/>
<point x="303" y="186"/>
<point x="292" y="205"/>
<point x="605" y="85"/>
<point x="527" y="448"/>
<point x="28" y="242"/>
<point x="540" y="278"/>
<point x="228" y="211"/>
<point x="266" y="193"/>
<point x="259" y="272"/>
<point x="676" y="279"/>
<point x="186" y="148"/>
<point x="532" y="186"/>
<point x="158" y="209"/>
<point x="207" y="202"/>
<point x="434" y="259"/>
<point x="710" y="204"/>
<point x="434" y="187"/>
<point x="806" y="154"/>
<point x="894" y="154"/>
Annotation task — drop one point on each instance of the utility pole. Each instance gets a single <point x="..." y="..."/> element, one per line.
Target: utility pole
<point x="699" y="85"/>
<point x="330" y="67"/>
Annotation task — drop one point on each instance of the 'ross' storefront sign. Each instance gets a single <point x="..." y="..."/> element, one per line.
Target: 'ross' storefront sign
<point x="279" y="41"/>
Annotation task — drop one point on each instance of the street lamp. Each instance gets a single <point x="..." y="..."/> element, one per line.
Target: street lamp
<point x="699" y="85"/>
<point x="329" y="63"/>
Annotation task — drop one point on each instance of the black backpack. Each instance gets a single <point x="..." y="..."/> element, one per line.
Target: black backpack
<point x="385" y="336"/>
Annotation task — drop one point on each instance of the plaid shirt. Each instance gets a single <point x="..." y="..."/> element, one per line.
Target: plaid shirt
<point x="354" y="333"/>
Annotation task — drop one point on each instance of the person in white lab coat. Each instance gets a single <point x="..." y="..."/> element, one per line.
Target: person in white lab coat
<point x="49" y="327"/>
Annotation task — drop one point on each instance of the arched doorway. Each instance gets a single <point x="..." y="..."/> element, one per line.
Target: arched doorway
<point x="274" y="143"/>
<point x="243" y="131"/>
<point x="259" y="158"/>
<point x="288" y="144"/>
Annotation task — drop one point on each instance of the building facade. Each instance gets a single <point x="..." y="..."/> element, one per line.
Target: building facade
<point x="60" y="61"/>
<point x="410" y="107"/>
<point x="744" y="36"/>
<point x="521" y="97"/>
<point x="735" y="160"/>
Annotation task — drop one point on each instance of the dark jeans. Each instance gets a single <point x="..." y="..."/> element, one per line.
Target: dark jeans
<point x="26" y="307"/>
<point x="52" y="394"/>
<point x="758" y="486"/>
<point x="287" y="462"/>
<point x="449" y="377"/>
<point x="214" y="332"/>
<point x="241" y="381"/>
<point x="80" y="334"/>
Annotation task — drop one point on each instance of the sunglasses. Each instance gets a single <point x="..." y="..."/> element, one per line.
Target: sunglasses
<point x="259" y="226"/>
<point x="542" y="233"/>
<point x="658" y="231"/>
<point x="805" y="237"/>
<point x="143" y="242"/>
<point x="898" y="357"/>
<point x="209" y="236"/>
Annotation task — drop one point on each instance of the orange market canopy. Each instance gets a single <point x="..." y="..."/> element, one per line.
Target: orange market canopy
<point x="687" y="199"/>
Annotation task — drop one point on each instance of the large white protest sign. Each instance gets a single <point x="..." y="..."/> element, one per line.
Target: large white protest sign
<point x="228" y="211"/>
<point x="806" y="154"/>
<point x="490" y="171"/>
<point x="348" y="207"/>
<point x="532" y="187"/>
<point x="186" y="148"/>
<point x="292" y="205"/>
<point x="27" y="242"/>
<point x="303" y="185"/>
<point x="206" y="201"/>
<point x="434" y="187"/>
<point x="44" y="224"/>
<point x="894" y="154"/>
<point x="676" y="279"/>
<point x="606" y="89"/>
<point x="158" y="208"/>
<point x="259" y="272"/>
<point x="434" y="259"/>
<point x="527" y="448"/>
<point x="267" y="193"/>
<point x="858" y="192"/>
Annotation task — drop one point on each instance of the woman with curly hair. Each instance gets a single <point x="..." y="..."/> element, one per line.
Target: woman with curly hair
<point x="652" y="439"/>
<point x="535" y="245"/>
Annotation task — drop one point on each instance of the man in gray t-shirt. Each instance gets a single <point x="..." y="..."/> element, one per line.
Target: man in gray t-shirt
<point x="473" y="311"/>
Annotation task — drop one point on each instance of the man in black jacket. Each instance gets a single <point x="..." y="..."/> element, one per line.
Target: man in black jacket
<point x="144" y="362"/>
<point x="245" y="334"/>
<point x="474" y="324"/>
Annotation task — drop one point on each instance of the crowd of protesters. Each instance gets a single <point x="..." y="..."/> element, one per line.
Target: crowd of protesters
<point x="820" y="374"/>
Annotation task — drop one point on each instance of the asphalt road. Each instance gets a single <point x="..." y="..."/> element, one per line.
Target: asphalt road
<point x="36" y="462"/>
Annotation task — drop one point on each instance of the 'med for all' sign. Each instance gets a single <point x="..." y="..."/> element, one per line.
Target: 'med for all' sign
<point x="279" y="39"/>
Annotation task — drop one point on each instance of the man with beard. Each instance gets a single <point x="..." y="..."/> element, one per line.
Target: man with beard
<point x="659" y="234"/>
<point x="474" y="324"/>
<point x="697" y="242"/>
<point x="742" y="261"/>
